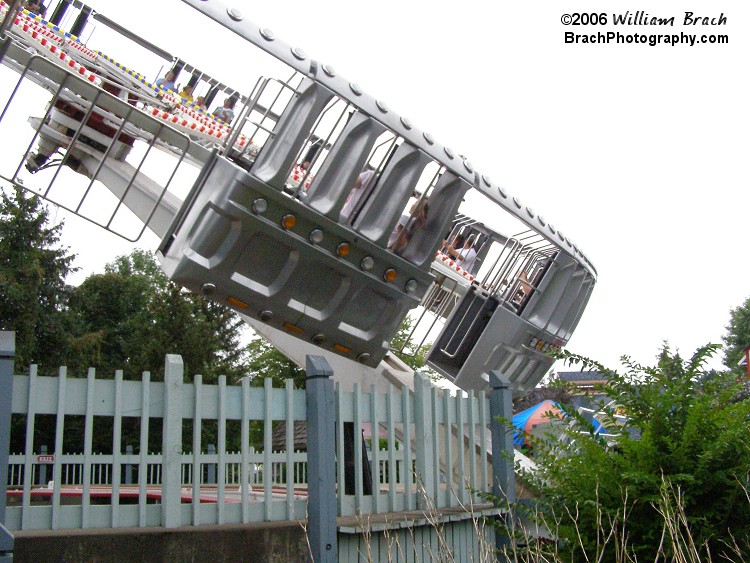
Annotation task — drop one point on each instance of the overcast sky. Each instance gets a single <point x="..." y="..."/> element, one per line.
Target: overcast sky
<point x="638" y="154"/>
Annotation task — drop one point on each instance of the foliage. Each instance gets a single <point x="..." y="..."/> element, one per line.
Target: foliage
<point x="554" y="392"/>
<point x="401" y="346"/>
<point x="266" y="361"/>
<point x="737" y="337"/>
<point x="132" y="315"/>
<point x="683" y="432"/>
<point x="33" y="268"/>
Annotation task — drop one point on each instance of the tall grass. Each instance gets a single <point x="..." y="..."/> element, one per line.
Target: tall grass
<point x="532" y="537"/>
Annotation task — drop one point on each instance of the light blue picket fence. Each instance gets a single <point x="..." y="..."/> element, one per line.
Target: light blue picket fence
<point x="434" y="452"/>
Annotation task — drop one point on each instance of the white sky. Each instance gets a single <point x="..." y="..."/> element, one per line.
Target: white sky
<point x="638" y="154"/>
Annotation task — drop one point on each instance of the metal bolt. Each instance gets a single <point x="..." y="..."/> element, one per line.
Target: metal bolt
<point x="319" y="339"/>
<point x="362" y="358"/>
<point x="367" y="263"/>
<point x="235" y="14"/>
<point x="316" y="236"/>
<point x="260" y="205"/>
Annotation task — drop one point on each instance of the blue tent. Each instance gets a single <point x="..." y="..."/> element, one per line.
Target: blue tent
<point x="525" y="421"/>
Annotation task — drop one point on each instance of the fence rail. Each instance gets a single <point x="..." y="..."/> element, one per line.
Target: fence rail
<point x="421" y="449"/>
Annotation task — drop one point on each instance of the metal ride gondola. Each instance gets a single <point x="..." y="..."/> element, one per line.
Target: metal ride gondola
<point x="254" y="213"/>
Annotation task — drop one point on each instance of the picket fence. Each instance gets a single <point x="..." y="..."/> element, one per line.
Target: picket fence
<point x="434" y="452"/>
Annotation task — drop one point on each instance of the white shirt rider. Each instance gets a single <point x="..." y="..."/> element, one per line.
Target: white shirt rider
<point x="466" y="258"/>
<point x="360" y="187"/>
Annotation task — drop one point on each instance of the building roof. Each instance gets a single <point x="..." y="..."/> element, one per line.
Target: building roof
<point x="278" y="436"/>
<point x="581" y="376"/>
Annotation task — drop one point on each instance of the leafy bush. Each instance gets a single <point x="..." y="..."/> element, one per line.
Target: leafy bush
<point x="685" y="438"/>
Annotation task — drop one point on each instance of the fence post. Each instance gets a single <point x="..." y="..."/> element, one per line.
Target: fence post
<point x="321" y="452"/>
<point x="7" y="353"/>
<point x="211" y="468"/>
<point x="503" y="473"/>
<point x="42" y="467"/>
<point x="129" y="466"/>
<point x="423" y="438"/>
<point x="171" y="443"/>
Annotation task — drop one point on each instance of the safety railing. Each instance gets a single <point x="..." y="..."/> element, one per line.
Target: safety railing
<point x="106" y="140"/>
<point x="385" y="469"/>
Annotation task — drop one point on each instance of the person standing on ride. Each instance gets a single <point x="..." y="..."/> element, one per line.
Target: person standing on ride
<point x="363" y="183"/>
<point x="466" y="256"/>
<point x="167" y="83"/>
<point x="225" y="113"/>
<point x="187" y="94"/>
<point x="403" y="232"/>
<point x="200" y="103"/>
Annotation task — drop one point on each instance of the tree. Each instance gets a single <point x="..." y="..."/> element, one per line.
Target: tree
<point x="33" y="293"/>
<point x="416" y="358"/>
<point x="556" y="392"/>
<point x="685" y="446"/>
<point x="737" y="337"/>
<point x="266" y="361"/>
<point x="132" y="315"/>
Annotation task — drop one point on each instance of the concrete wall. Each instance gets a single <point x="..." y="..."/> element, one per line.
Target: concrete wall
<point x="266" y="542"/>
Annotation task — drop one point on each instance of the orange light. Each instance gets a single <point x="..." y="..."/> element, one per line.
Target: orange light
<point x="389" y="275"/>
<point x="288" y="221"/>
<point x="293" y="328"/>
<point x="237" y="303"/>
<point x="342" y="349"/>
<point x="343" y="249"/>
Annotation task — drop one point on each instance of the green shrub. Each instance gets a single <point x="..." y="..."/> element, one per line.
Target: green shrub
<point x="685" y="438"/>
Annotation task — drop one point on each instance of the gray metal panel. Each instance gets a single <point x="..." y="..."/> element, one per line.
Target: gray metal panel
<point x="503" y="346"/>
<point x="346" y="159"/>
<point x="250" y="257"/>
<point x="278" y="155"/>
<point x="443" y="205"/>
<point x="382" y="211"/>
<point x="296" y="58"/>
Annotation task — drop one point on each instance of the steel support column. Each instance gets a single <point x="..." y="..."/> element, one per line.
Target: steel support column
<point x="321" y="467"/>
<point x="503" y="474"/>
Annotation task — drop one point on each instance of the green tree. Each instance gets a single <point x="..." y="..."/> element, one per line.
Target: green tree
<point x="131" y="316"/>
<point x="266" y="361"/>
<point x="686" y="438"/>
<point x="403" y="345"/>
<point x="737" y="337"/>
<point x="33" y="293"/>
